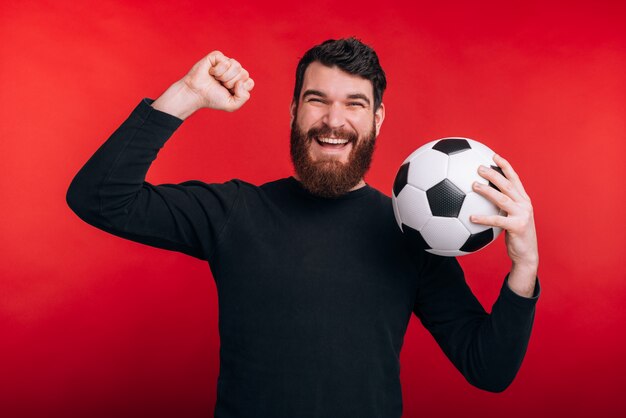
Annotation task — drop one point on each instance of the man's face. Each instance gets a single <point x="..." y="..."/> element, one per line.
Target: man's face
<point x="333" y="130"/>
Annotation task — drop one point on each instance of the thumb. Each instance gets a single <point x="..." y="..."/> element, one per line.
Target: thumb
<point x="242" y="92"/>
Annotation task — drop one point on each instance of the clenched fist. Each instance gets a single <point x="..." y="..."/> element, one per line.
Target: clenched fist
<point x="215" y="82"/>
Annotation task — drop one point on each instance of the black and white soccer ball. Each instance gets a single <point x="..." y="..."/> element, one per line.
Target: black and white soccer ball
<point x="433" y="197"/>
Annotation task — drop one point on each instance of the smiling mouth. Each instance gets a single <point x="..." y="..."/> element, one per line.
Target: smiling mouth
<point x="334" y="143"/>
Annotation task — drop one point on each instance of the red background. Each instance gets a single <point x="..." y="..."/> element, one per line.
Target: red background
<point x="96" y="326"/>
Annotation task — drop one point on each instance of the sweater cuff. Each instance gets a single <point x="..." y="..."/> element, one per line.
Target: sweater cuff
<point x="519" y="300"/>
<point x="149" y="114"/>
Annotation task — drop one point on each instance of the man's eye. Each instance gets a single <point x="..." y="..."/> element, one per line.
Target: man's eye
<point x="358" y="104"/>
<point x="315" y="100"/>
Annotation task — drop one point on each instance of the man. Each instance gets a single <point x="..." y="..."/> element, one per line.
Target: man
<point x="315" y="283"/>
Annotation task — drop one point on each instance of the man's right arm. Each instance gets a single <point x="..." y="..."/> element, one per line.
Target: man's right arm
<point x="110" y="191"/>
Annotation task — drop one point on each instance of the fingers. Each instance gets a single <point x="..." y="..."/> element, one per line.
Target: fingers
<point x="230" y="74"/>
<point x="511" y="198"/>
<point x="516" y="225"/>
<point x="215" y="58"/>
<point x="228" y="71"/>
<point x="499" y="199"/>
<point x="242" y="91"/>
<point x="510" y="174"/>
<point x="506" y="186"/>
<point x="490" y="220"/>
<point x="519" y="224"/>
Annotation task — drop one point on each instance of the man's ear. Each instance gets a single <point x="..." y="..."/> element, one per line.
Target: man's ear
<point x="292" y="111"/>
<point x="379" y="117"/>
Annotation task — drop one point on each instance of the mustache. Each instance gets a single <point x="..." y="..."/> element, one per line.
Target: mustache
<point x="326" y="131"/>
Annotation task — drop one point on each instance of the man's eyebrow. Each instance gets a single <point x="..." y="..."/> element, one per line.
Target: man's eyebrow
<point x="311" y="92"/>
<point x="353" y="96"/>
<point x="359" y="96"/>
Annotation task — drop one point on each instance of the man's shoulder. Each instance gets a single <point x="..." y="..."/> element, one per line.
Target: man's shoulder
<point x="281" y="183"/>
<point x="380" y="194"/>
<point x="242" y="185"/>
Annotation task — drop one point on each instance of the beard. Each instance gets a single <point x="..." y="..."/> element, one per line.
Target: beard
<point x="329" y="177"/>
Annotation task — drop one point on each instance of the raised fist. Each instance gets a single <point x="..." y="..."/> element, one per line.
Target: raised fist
<point x="219" y="82"/>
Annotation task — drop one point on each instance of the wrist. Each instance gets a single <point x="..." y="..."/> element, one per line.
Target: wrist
<point x="529" y="267"/>
<point x="522" y="278"/>
<point x="178" y="100"/>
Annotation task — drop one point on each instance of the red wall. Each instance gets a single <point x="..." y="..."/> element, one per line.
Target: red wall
<point x="95" y="326"/>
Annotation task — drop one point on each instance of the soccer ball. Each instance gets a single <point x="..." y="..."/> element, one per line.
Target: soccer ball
<point x="433" y="197"/>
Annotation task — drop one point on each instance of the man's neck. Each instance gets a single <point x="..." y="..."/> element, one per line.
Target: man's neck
<point x="360" y="184"/>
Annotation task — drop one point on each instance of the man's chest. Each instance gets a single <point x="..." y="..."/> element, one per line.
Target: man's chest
<point x="350" y="265"/>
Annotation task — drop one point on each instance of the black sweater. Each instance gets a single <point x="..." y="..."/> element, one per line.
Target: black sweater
<point x="314" y="294"/>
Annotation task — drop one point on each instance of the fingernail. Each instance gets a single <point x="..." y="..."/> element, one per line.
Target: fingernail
<point x="482" y="168"/>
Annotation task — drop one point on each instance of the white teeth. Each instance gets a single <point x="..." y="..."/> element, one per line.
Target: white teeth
<point x="333" y="141"/>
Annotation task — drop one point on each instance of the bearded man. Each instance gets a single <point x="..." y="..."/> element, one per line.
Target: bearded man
<point x="315" y="283"/>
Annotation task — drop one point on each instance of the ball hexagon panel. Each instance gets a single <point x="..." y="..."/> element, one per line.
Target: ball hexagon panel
<point x="446" y="253"/>
<point x="418" y="151"/>
<point x="413" y="205"/>
<point x="475" y="204"/>
<point x="444" y="233"/>
<point x="427" y="169"/>
<point x="445" y="199"/>
<point x="463" y="169"/>
<point x="482" y="149"/>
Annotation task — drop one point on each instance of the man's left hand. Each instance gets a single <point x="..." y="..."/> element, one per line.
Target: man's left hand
<point x="520" y="238"/>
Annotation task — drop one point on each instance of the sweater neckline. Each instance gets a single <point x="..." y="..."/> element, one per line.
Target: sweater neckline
<point x="360" y="192"/>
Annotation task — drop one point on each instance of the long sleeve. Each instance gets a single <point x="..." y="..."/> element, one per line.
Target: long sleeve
<point x="110" y="191"/>
<point x="487" y="349"/>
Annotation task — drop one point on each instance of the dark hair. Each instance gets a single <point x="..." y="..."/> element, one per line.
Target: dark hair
<point x="351" y="56"/>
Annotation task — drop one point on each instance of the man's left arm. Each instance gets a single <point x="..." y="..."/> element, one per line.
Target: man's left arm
<point x="488" y="349"/>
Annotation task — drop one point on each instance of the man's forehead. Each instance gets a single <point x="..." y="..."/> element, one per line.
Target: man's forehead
<point x="335" y="81"/>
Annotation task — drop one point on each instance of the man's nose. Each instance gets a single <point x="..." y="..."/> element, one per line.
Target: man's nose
<point x="335" y="116"/>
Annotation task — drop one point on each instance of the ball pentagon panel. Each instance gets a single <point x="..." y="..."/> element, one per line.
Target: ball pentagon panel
<point x="401" y="178"/>
<point x="415" y="238"/>
<point x="396" y="212"/>
<point x="445" y="199"/>
<point x="477" y="241"/>
<point x="450" y="146"/>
